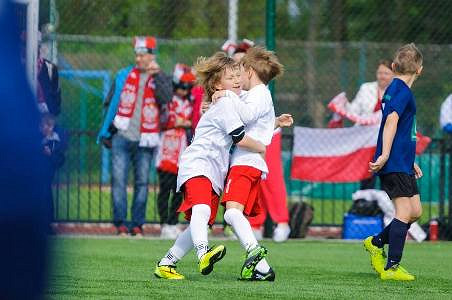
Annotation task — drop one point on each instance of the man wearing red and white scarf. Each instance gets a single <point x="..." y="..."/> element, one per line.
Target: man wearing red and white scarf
<point x="138" y="106"/>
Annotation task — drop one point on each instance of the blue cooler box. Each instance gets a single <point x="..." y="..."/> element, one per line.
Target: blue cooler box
<point x="357" y="227"/>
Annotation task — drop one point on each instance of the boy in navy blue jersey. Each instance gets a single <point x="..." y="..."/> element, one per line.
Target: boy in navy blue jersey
<point x="394" y="163"/>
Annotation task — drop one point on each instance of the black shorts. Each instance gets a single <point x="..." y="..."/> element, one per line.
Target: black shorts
<point x="399" y="185"/>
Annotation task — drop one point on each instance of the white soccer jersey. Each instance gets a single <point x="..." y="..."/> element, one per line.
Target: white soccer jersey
<point x="259" y="102"/>
<point x="208" y="154"/>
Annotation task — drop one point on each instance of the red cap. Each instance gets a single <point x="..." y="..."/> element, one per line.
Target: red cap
<point x="188" y="78"/>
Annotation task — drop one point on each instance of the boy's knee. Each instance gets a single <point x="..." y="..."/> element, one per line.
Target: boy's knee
<point x="201" y="211"/>
<point x="230" y="213"/>
<point x="416" y="214"/>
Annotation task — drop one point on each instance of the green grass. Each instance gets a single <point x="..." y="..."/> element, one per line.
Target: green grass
<point x="122" y="269"/>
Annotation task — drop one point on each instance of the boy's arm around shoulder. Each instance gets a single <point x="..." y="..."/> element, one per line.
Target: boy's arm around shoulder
<point x="247" y="111"/>
<point x="252" y="145"/>
<point x="231" y="122"/>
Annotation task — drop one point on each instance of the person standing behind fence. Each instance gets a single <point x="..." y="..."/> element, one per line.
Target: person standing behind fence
<point x="367" y="101"/>
<point x="53" y="148"/>
<point x="174" y="141"/>
<point x="48" y="87"/>
<point x="445" y="118"/>
<point x="132" y="127"/>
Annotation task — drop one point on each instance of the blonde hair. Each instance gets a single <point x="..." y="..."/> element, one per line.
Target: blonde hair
<point x="209" y="71"/>
<point x="263" y="62"/>
<point x="407" y="59"/>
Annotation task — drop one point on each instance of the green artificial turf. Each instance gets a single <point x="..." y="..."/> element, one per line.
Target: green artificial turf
<point x="104" y="268"/>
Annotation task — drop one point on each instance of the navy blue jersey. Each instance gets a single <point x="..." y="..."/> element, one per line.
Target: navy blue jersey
<point x="399" y="98"/>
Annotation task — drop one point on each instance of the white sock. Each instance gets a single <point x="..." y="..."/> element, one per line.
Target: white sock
<point x="263" y="266"/>
<point x="242" y="228"/>
<point x="200" y="215"/>
<point x="181" y="247"/>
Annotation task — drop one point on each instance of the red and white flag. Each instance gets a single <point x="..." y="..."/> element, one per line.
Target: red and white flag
<point x="339" y="106"/>
<point x="333" y="155"/>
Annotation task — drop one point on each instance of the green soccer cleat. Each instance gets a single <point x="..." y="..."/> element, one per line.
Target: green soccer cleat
<point x="253" y="257"/>
<point x="397" y="272"/>
<point x="377" y="255"/>
<point x="212" y="256"/>
<point x="167" y="272"/>
<point x="258" y="276"/>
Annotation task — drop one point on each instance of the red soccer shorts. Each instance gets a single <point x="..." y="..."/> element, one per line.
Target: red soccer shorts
<point x="243" y="186"/>
<point x="198" y="190"/>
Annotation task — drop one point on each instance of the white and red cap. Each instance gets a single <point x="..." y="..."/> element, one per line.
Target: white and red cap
<point x="244" y="46"/>
<point x="144" y="44"/>
<point x="183" y="73"/>
<point x="231" y="48"/>
<point x="183" y="77"/>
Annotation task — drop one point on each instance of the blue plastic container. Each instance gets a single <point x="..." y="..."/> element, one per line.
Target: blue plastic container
<point x="357" y="227"/>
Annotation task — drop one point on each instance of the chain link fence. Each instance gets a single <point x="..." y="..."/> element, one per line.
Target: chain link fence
<point x="327" y="47"/>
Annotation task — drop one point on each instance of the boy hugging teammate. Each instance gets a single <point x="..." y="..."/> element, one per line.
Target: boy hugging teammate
<point x="394" y="163"/>
<point x="240" y="197"/>
<point x="204" y="164"/>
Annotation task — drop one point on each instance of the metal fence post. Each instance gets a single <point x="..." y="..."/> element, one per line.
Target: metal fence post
<point x="270" y="32"/>
<point x="442" y="173"/>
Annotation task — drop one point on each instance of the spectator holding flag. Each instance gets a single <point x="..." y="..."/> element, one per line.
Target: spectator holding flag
<point x="445" y="118"/>
<point x="367" y="100"/>
<point x="365" y="109"/>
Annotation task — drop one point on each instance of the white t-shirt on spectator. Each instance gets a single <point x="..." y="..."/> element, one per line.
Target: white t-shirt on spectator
<point x="261" y="126"/>
<point x="365" y="100"/>
<point x="208" y="154"/>
<point x="446" y="112"/>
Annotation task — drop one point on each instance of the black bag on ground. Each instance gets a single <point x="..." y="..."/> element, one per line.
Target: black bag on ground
<point x="301" y="215"/>
<point x="365" y="208"/>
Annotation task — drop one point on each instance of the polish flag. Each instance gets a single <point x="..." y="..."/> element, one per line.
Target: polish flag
<point x="333" y="155"/>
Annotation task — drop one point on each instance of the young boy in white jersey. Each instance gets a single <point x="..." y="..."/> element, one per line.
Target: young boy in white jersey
<point x="259" y="67"/>
<point x="204" y="164"/>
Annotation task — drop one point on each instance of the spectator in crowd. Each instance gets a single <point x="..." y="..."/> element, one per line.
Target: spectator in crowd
<point x="174" y="140"/>
<point x="53" y="147"/>
<point x="48" y="95"/>
<point x="48" y="89"/>
<point x="368" y="98"/>
<point x="445" y="118"/>
<point x="131" y="127"/>
<point x="367" y="101"/>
